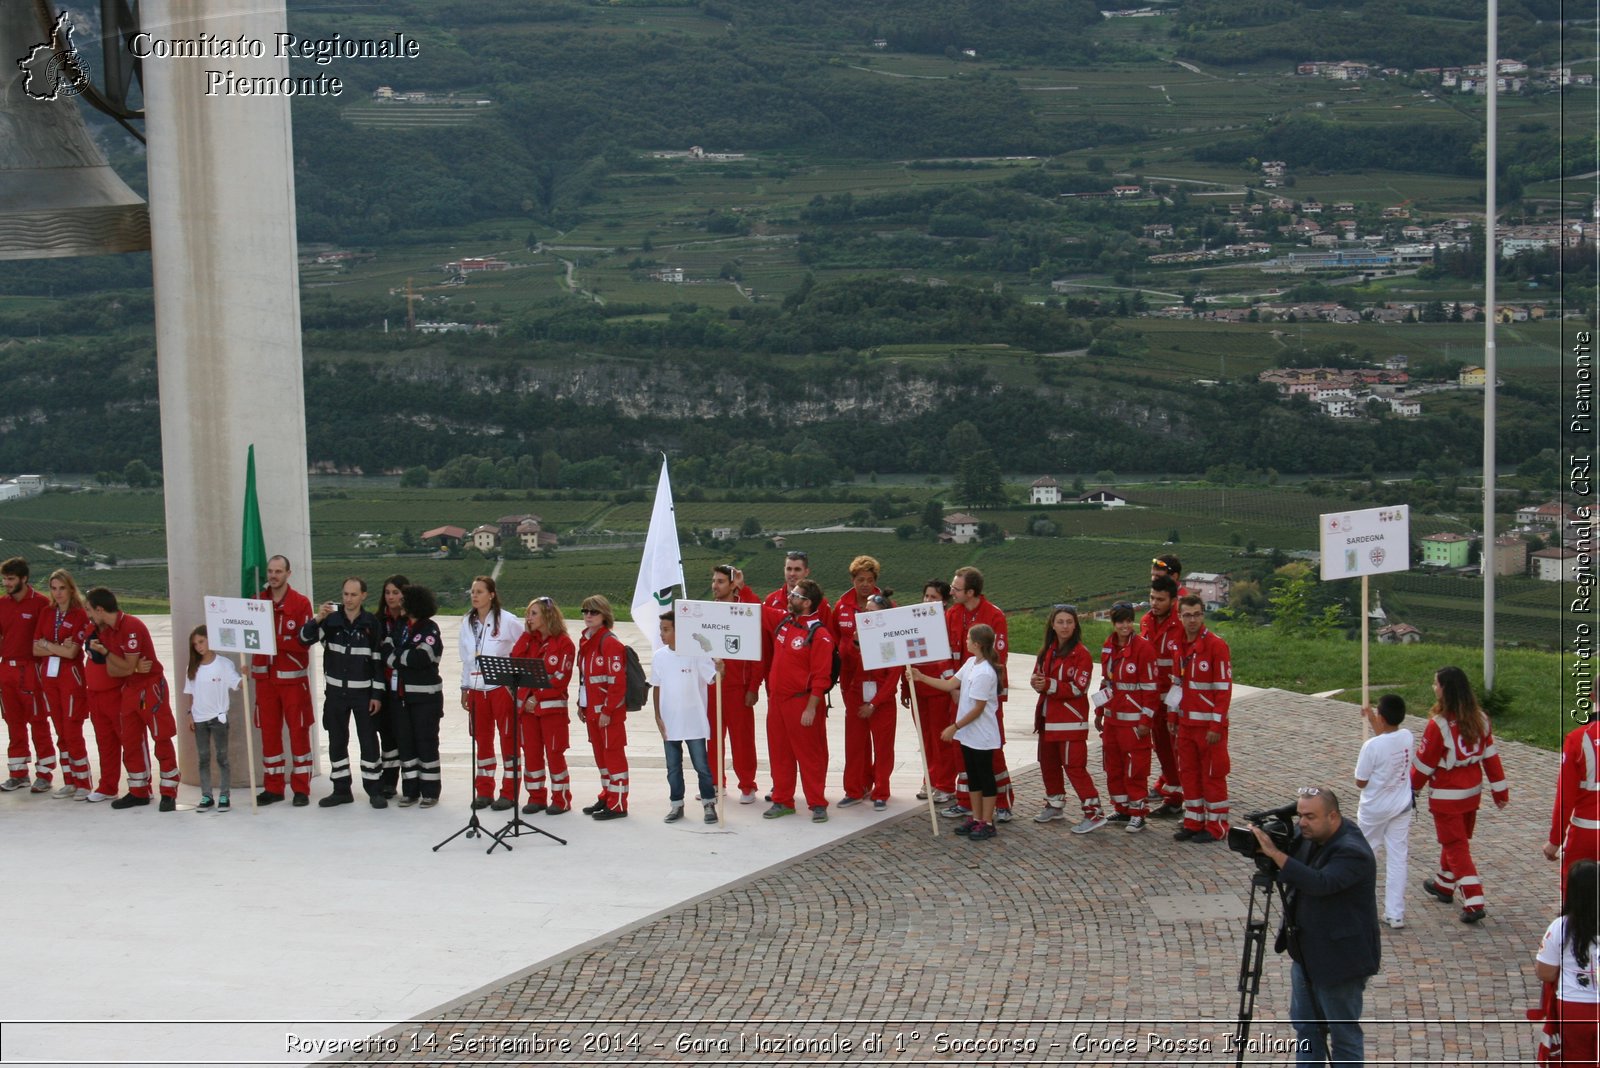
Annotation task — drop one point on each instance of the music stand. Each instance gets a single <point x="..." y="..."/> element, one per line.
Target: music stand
<point x="473" y="827"/>
<point x="515" y="673"/>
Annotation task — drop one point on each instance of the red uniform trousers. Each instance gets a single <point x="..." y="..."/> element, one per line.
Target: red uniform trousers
<point x="739" y="726"/>
<point x="936" y="711"/>
<point x="790" y="744"/>
<point x="545" y="739"/>
<point x="868" y="750"/>
<point x="490" y="712"/>
<point x="1204" y="766"/>
<point x="105" y="712"/>
<point x="1581" y="843"/>
<point x="147" y="712"/>
<point x="1126" y="757"/>
<point x="1571" y="1033"/>
<point x="1456" y="870"/>
<point x="611" y="757"/>
<point x="280" y="702"/>
<point x="24" y="716"/>
<point x="64" y="701"/>
<point x="1002" y="776"/>
<point x="1168" y="784"/>
<point x="1063" y="758"/>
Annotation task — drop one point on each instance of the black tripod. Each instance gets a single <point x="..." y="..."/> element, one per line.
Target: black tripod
<point x="516" y="674"/>
<point x="473" y="827"/>
<point x="1255" y="947"/>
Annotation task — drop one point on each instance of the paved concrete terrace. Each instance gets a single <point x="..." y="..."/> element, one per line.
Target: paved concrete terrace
<point x="769" y="943"/>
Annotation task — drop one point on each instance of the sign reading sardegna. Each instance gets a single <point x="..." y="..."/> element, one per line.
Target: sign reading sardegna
<point x="1374" y="541"/>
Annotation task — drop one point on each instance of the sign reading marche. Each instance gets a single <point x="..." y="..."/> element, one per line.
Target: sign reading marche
<point x="911" y="635"/>
<point x="240" y="625"/>
<point x="1369" y="542"/>
<point x="728" y="630"/>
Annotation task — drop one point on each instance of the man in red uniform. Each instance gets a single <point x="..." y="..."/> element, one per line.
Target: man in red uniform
<point x="146" y="706"/>
<point x="1575" y="822"/>
<point x="796" y="568"/>
<point x="968" y="608"/>
<point x="858" y="732"/>
<point x="283" y="690"/>
<point x="798" y="679"/>
<point x="1168" y="566"/>
<point x="603" y="706"/>
<point x="1125" y="711"/>
<point x="1160" y="627"/>
<point x="104" y="699"/>
<point x="24" y="714"/>
<point x="1202" y="691"/>
<point x="741" y="688"/>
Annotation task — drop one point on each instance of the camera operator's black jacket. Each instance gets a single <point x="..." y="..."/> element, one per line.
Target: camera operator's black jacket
<point x="1330" y="924"/>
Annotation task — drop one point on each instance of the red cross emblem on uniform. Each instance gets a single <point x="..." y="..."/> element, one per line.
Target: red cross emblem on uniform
<point x="797" y="643"/>
<point x="1205" y="665"/>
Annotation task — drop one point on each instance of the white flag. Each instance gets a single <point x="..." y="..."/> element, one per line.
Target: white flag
<point x="661" y="569"/>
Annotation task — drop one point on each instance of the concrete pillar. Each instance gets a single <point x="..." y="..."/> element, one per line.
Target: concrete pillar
<point x="227" y="316"/>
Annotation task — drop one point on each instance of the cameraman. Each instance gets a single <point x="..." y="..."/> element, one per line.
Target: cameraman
<point x="1330" y="927"/>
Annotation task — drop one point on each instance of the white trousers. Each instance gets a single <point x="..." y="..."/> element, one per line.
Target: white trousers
<point x="1389" y="838"/>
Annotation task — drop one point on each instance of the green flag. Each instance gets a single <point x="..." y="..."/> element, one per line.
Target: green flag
<point x="253" y="553"/>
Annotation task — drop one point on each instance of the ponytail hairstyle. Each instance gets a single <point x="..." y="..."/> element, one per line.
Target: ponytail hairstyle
<point x="983" y="635"/>
<point x="1457" y="704"/>
<point x="494" y="601"/>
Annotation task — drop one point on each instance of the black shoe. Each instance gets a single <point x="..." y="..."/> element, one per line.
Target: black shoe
<point x="481" y="801"/>
<point x="531" y="809"/>
<point x="378" y="801"/>
<point x="556" y="810"/>
<point x="1201" y="838"/>
<point x="129" y="801"/>
<point x="1184" y="834"/>
<point x="502" y="803"/>
<point x="610" y="814"/>
<point x="1168" y="811"/>
<point x="590" y="810"/>
<point x="170" y="804"/>
<point x="1473" y="915"/>
<point x="1120" y="817"/>
<point x="390" y="793"/>
<point x="335" y="798"/>
<point x="267" y="797"/>
<point x="302" y="800"/>
<point x="1444" y="897"/>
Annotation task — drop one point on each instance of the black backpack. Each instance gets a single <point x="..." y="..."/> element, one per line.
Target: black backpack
<point x="638" y="690"/>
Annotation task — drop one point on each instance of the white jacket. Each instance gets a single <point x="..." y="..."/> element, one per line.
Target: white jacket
<point x="482" y="640"/>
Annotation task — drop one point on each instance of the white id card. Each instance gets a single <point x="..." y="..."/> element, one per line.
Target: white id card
<point x="583" y="697"/>
<point x="52" y="667"/>
<point x="1100" y="698"/>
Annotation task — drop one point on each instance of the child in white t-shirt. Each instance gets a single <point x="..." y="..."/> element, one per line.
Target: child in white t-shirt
<point x="210" y="678"/>
<point x="1383" y="772"/>
<point x="977" y="725"/>
<point x="679" y="699"/>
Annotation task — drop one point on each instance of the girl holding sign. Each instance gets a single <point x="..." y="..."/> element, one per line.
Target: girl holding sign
<point x="977" y="725"/>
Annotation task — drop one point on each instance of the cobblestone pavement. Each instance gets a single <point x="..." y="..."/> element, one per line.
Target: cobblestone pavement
<point x="1107" y="948"/>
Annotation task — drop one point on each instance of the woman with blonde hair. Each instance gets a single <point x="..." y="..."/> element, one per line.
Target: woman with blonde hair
<point x="58" y="640"/>
<point x="603" y="705"/>
<point x="543" y="711"/>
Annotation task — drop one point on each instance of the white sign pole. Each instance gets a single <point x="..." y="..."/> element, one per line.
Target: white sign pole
<point x="922" y="751"/>
<point x="249" y="737"/>
<point x="722" y="760"/>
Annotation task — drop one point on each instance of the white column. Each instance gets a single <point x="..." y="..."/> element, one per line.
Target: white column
<point x="227" y="315"/>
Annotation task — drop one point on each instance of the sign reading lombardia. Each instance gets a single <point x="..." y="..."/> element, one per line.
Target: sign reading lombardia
<point x="725" y="630"/>
<point x="1370" y="542"/>
<point x="240" y="625"/>
<point x="914" y="634"/>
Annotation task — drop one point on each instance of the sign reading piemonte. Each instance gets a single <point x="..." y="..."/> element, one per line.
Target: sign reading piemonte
<point x="1370" y="542"/>
<point x="914" y="634"/>
<point x="240" y="625"/>
<point x="725" y="630"/>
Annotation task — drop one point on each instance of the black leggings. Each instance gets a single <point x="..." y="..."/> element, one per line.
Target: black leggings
<point x="980" y="771"/>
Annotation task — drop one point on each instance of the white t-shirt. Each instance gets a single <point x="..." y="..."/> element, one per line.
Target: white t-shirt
<point x="210" y="687"/>
<point x="683" y="681"/>
<point x="1575" y="984"/>
<point x="979" y="684"/>
<point x="1385" y="763"/>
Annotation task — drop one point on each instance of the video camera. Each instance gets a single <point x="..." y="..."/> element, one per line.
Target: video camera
<point x="1279" y="824"/>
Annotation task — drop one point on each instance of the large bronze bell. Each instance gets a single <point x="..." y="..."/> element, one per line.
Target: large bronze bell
<point x="58" y="197"/>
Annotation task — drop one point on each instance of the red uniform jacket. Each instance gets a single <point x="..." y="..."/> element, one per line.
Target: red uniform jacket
<point x="558" y="655"/>
<point x="844" y="633"/>
<point x="1205" y="667"/>
<point x="603" y="674"/>
<point x="73" y="626"/>
<point x="802" y="657"/>
<point x="779" y="599"/>
<point x="1066" y="696"/>
<point x="18" y="621"/>
<point x="131" y="638"/>
<point x="887" y="680"/>
<point x="958" y="621"/>
<point x="293" y="659"/>
<point x="1456" y="768"/>
<point x="1131" y="672"/>
<point x="1578" y="784"/>
<point x="1157" y="633"/>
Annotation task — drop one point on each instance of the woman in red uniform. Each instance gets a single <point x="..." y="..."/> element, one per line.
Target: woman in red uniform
<point x="869" y="724"/>
<point x="544" y="711"/>
<point x="1457" y="748"/>
<point x="935" y="711"/>
<point x="58" y="643"/>
<point x="1061" y="679"/>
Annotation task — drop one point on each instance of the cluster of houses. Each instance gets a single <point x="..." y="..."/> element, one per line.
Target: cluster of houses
<point x="524" y="530"/>
<point x="1511" y="75"/>
<point x="22" y="486"/>
<point x="1047" y="490"/>
<point x="1344" y="393"/>
<point x="1511" y="556"/>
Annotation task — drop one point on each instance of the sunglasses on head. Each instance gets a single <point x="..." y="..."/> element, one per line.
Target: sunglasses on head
<point x="796" y="554"/>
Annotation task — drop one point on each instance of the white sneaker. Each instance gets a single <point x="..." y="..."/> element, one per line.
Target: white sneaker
<point x="1048" y="813"/>
<point x="942" y="798"/>
<point x="82" y="794"/>
<point x="1091" y="823"/>
<point x="1002" y="815"/>
<point x="65" y="791"/>
<point x="1394" y="923"/>
<point x="41" y="785"/>
<point x="747" y="798"/>
<point x="95" y="797"/>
